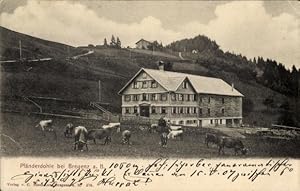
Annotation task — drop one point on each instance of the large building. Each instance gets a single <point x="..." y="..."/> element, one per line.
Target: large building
<point x="184" y="99"/>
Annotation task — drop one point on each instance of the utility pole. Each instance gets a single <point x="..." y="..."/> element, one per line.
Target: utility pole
<point x="20" y="49"/>
<point x="99" y="91"/>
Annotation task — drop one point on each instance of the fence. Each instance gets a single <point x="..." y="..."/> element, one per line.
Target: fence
<point x="137" y="121"/>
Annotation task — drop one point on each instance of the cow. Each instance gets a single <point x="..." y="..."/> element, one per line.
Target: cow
<point x="175" y="127"/>
<point x="153" y="128"/>
<point x="69" y="130"/>
<point x="126" y="137"/>
<point x="94" y="134"/>
<point x="176" y="133"/>
<point x="211" y="138"/>
<point x="80" y="134"/>
<point x="233" y="143"/>
<point x="46" y="126"/>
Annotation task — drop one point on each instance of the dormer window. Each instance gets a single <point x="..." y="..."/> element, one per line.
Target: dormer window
<point x="185" y="85"/>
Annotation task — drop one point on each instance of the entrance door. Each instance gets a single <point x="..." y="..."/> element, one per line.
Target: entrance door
<point x="144" y="111"/>
<point x="216" y="122"/>
<point x="200" y="123"/>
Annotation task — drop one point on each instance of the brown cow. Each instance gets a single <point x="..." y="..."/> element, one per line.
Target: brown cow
<point x="80" y="134"/>
<point x="211" y="138"/>
<point x="94" y="134"/>
<point x="233" y="143"/>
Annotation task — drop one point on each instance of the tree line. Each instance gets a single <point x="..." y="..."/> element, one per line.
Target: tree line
<point x="114" y="42"/>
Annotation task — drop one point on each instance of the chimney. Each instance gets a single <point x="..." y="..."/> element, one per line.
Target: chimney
<point x="232" y="86"/>
<point x="161" y="65"/>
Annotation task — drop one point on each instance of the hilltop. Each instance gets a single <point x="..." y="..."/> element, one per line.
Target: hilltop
<point x="77" y="79"/>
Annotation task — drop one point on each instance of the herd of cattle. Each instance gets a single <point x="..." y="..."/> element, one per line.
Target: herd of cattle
<point x="82" y="135"/>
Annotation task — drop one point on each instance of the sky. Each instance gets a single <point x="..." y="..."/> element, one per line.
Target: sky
<point x="251" y="28"/>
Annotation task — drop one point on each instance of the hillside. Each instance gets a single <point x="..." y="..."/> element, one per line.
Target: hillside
<point x="77" y="80"/>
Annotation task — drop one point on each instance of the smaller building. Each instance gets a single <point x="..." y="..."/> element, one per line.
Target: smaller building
<point x="142" y="44"/>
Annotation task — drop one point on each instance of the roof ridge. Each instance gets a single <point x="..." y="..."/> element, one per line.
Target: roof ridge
<point x="187" y="74"/>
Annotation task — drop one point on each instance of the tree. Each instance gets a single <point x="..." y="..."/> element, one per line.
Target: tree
<point x="113" y="41"/>
<point x="105" y="42"/>
<point x="118" y="45"/>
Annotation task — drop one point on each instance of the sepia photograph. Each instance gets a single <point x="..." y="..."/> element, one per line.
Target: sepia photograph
<point x="131" y="95"/>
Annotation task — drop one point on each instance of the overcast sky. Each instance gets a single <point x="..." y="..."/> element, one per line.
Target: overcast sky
<point x="269" y="29"/>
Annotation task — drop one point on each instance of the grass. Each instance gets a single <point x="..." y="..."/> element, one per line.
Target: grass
<point x="22" y="129"/>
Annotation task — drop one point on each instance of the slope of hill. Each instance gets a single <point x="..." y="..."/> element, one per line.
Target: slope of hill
<point x="77" y="80"/>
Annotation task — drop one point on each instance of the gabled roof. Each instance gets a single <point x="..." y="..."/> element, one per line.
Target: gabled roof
<point x="206" y="85"/>
<point x="143" y="40"/>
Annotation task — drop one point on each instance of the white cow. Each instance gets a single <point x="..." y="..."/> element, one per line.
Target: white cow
<point x="46" y="126"/>
<point x="175" y="133"/>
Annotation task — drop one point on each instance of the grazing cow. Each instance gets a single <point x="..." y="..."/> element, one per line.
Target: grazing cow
<point x="94" y="134"/>
<point x="80" y="134"/>
<point x="211" y="138"/>
<point x="126" y="136"/>
<point x="69" y="130"/>
<point x="234" y="143"/>
<point x="46" y="126"/>
<point x="176" y="133"/>
<point x="153" y="128"/>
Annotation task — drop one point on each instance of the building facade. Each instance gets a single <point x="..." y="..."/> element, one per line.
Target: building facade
<point x="142" y="44"/>
<point x="184" y="99"/>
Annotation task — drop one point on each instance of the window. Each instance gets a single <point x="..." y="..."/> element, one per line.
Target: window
<point x="144" y="84"/>
<point x="163" y="97"/>
<point x="223" y="100"/>
<point x="208" y="111"/>
<point x="180" y="109"/>
<point x="180" y="97"/>
<point x="145" y="97"/>
<point x="127" y="97"/>
<point x="153" y="97"/>
<point x="223" y="110"/>
<point x="194" y="97"/>
<point x="185" y="85"/>
<point x="153" y="84"/>
<point x="153" y="109"/>
<point x="188" y="110"/>
<point x="174" y="110"/>
<point x="195" y="109"/>
<point x="135" y="85"/>
<point x="200" y="111"/>
<point x="134" y="109"/>
<point x="211" y="121"/>
<point x="163" y="110"/>
<point x="188" y="97"/>
<point x="127" y="110"/>
<point x="181" y="122"/>
<point x="221" y="121"/>
<point x="135" y="97"/>
<point x="173" y="97"/>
